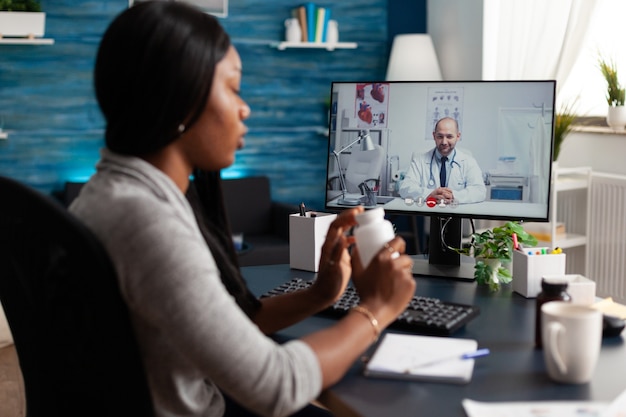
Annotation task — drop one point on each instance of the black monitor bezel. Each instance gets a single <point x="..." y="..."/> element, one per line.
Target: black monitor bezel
<point x="452" y="214"/>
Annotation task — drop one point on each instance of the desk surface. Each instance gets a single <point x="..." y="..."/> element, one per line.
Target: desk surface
<point x="514" y="371"/>
<point x="512" y="208"/>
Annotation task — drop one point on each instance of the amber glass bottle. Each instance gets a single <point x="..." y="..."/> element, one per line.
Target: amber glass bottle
<point x="550" y="291"/>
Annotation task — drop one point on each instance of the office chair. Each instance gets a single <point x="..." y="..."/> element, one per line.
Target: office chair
<point x="364" y="167"/>
<point x="75" y="344"/>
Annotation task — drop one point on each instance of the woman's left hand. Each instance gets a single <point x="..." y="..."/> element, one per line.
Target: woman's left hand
<point x="335" y="266"/>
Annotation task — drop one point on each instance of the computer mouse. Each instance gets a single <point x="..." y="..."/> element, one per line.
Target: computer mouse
<point x="612" y="326"/>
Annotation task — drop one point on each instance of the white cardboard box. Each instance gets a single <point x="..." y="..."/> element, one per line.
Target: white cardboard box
<point x="580" y="288"/>
<point x="306" y="237"/>
<point x="22" y="24"/>
<point x="528" y="270"/>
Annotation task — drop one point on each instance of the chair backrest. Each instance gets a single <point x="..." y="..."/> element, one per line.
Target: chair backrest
<point x="363" y="166"/>
<point x="73" y="336"/>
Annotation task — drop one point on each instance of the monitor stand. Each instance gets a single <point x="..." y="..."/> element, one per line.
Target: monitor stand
<point x="442" y="261"/>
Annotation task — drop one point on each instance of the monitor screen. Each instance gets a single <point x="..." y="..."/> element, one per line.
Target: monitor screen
<point x="389" y="140"/>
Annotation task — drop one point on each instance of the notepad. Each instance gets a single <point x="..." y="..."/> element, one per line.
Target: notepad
<point x="401" y="356"/>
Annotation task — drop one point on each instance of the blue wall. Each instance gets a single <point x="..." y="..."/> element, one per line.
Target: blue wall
<point x="46" y="99"/>
<point x="55" y="128"/>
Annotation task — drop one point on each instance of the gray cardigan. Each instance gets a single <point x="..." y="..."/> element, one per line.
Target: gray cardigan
<point x="192" y="335"/>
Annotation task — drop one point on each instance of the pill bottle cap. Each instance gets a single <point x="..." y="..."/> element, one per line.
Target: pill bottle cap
<point x="553" y="285"/>
<point x="369" y="216"/>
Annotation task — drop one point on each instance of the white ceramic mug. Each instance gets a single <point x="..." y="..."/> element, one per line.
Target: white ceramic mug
<point x="572" y="336"/>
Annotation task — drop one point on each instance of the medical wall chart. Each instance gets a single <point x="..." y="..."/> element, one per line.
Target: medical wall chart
<point x="443" y="102"/>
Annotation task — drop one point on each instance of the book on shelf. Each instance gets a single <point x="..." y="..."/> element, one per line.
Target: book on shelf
<point x="313" y="21"/>
<point x="310" y="20"/>
<point x="301" y="15"/>
<point x="320" y="12"/>
<point x="543" y="231"/>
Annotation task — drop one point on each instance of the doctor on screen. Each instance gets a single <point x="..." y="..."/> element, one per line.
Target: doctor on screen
<point x="460" y="180"/>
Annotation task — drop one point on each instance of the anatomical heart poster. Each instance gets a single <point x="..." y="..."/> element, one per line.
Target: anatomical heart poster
<point x="371" y="105"/>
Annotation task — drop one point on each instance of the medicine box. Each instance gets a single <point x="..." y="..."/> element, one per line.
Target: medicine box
<point x="580" y="288"/>
<point x="306" y="237"/>
<point x="529" y="267"/>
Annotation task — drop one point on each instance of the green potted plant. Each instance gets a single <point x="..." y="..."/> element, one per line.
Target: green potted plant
<point x="615" y="94"/>
<point x="21" y="18"/>
<point x="20" y="5"/>
<point x="493" y="251"/>
<point x="563" y="122"/>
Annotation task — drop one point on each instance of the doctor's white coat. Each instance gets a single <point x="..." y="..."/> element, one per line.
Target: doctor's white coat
<point x="465" y="177"/>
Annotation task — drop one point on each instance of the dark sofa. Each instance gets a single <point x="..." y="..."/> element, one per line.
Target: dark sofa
<point x="264" y="223"/>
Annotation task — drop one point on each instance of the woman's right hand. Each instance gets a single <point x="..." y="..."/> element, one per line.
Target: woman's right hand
<point x="386" y="285"/>
<point x="385" y="288"/>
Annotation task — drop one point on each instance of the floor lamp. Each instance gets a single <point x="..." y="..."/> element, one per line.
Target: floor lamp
<point x="413" y="58"/>
<point x="366" y="145"/>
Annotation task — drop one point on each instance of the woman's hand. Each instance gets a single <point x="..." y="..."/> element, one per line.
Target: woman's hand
<point x="334" y="273"/>
<point x="386" y="285"/>
<point x="335" y="267"/>
<point x="385" y="288"/>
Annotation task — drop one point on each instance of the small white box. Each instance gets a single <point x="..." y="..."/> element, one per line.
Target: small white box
<point x="22" y="24"/>
<point x="306" y="237"/>
<point x="580" y="288"/>
<point x="529" y="268"/>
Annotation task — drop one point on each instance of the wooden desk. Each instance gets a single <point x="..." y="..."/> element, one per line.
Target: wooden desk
<point x="514" y="371"/>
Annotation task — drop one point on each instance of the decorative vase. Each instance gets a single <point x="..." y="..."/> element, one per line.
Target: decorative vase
<point x="332" y="33"/>
<point x="495" y="264"/>
<point x="555" y="171"/>
<point x="293" y="32"/>
<point x="616" y="117"/>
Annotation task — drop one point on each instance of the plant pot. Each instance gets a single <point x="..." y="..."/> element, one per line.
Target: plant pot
<point x="22" y="24"/>
<point x="616" y="117"/>
<point x="495" y="264"/>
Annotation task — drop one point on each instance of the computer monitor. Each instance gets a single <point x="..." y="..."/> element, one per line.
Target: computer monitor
<point x="499" y="168"/>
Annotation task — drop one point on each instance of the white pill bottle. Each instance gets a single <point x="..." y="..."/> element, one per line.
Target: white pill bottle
<point x="371" y="234"/>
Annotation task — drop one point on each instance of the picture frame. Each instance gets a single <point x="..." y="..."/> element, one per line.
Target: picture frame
<point x="218" y="8"/>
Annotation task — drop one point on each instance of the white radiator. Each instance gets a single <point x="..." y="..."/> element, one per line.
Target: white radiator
<point x="606" y="249"/>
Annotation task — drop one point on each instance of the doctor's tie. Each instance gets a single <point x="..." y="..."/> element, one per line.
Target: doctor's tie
<point x="442" y="172"/>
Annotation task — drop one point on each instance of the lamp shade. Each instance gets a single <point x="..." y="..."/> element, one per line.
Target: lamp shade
<point x="366" y="141"/>
<point x="413" y="58"/>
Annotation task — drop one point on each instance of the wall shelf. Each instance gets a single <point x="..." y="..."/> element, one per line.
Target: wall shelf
<point x="26" y="41"/>
<point x="281" y="46"/>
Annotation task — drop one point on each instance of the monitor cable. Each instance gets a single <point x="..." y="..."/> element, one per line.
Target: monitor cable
<point x="443" y="224"/>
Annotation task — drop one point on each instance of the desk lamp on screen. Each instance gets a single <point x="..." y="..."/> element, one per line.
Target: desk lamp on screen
<point x="498" y="166"/>
<point x="366" y="145"/>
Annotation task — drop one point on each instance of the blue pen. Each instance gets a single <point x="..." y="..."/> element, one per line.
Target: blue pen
<point x="468" y="355"/>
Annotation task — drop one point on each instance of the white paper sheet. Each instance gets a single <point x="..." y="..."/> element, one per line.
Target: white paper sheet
<point x="616" y="408"/>
<point x="400" y="356"/>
